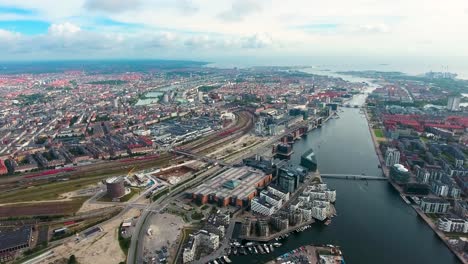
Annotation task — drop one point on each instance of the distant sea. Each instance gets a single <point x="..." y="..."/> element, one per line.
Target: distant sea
<point x="407" y="65"/>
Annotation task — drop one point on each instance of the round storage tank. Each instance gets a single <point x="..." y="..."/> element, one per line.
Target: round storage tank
<point x="115" y="187"/>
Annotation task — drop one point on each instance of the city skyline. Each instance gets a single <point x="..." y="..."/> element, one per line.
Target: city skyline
<point x="204" y="30"/>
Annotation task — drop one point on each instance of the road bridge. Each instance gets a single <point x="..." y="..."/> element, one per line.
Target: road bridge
<point x="354" y="177"/>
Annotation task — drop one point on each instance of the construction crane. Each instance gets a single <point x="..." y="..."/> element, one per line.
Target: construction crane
<point x="130" y="173"/>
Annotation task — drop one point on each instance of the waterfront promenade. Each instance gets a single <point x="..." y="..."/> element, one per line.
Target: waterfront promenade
<point x="429" y="221"/>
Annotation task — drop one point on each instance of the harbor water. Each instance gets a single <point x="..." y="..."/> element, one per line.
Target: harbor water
<point x="373" y="225"/>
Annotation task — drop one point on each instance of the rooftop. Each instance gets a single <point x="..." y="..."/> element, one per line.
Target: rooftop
<point x="235" y="182"/>
<point x="10" y="238"/>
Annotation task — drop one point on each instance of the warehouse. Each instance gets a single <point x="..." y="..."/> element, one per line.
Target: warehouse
<point x="15" y="239"/>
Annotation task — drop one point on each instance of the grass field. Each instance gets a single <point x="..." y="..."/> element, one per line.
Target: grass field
<point x="42" y="209"/>
<point x="49" y="191"/>
<point x="378" y="133"/>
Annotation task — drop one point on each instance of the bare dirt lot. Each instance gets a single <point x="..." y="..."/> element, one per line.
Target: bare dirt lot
<point x="166" y="228"/>
<point x="102" y="247"/>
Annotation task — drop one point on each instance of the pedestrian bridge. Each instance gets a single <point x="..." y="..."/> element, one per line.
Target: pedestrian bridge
<point x="354" y="177"/>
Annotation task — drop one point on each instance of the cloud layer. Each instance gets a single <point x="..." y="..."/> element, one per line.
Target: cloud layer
<point x="205" y="28"/>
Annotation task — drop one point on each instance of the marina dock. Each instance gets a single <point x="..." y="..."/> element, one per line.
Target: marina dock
<point x="311" y="254"/>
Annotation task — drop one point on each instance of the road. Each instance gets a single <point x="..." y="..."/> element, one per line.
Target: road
<point x="223" y="246"/>
<point x="135" y="252"/>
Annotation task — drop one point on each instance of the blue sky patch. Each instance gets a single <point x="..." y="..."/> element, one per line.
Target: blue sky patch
<point x="16" y="10"/>
<point x="27" y="27"/>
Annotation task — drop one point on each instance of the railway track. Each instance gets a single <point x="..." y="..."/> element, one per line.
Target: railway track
<point x="202" y="146"/>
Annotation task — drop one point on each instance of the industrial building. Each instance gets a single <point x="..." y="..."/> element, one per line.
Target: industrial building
<point x="235" y="186"/>
<point x="115" y="187"/>
<point x="15" y="239"/>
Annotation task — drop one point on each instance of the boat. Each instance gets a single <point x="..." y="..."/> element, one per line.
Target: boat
<point x="227" y="259"/>
<point x="235" y="251"/>
<point x="249" y="244"/>
<point x="267" y="250"/>
<point x="260" y="249"/>
<point x="250" y="250"/>
<point x="277" y="244"/>
<point x="328" y="222"/>
<point x="242" y="251"/>
<point x="255" y="249"/>
<point x="229" y="251"/>
<point x="272" y="248"/>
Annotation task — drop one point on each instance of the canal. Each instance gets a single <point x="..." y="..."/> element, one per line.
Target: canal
<point x="373" y="225"/>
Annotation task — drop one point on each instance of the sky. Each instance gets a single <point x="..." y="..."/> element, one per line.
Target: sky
<point x="237" y="29"/>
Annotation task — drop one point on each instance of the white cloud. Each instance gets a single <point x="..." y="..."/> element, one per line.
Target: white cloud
<point x="186" y="6"/>
<point x="257" y="41"/>
<point x="7" y="35"/>
<point x="237" y="26"/>
<point x="64" y="29"/>
<point x="240" y="9"/>
<point x="371" y="28"/>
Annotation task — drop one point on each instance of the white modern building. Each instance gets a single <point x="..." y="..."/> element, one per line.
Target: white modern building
<point x="262" y="207"/>
<point x="434" y="205"/>
<point x="201" y="239"/>
<point x="392" y="157"/>
<point x="440" y="188"/>
<point x="307" y="213"/>
<point x="271" y="199"/>
<point x="453" y="103"/>
<point x="320" y="212"/>
<point x="283" y="195"/>
<point x="452" y="225"/>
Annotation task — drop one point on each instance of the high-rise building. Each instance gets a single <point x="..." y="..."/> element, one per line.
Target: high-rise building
<point x="288" y="180"/>
<point x="392" y="157"/>
<point x="116" y="102"/>
<point x="453" y="103"/>
<point x="399" y="173"/>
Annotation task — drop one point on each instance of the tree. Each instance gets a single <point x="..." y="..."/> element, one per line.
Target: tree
<point x="72" y="260"/>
